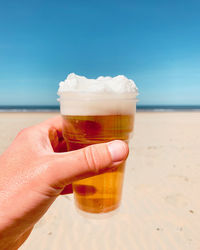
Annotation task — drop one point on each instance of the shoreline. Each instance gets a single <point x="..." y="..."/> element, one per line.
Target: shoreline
<point x="56" y="108"/>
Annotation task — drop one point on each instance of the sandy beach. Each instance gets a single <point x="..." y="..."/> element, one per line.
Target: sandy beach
<point x="160" y="209"/>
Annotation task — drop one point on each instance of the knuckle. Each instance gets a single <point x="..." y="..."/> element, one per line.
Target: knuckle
<point x="92" y="159"/>
<point x="25" y="133"/>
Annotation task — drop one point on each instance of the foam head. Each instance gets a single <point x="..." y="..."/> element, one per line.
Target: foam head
<point x="118" y="85"/>
<point x="101" y="96"/>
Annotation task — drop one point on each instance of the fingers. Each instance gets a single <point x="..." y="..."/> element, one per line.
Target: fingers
<point x="68" y="167"/>
<point x="53" y="123"/>
<point x="57" y="142"/>
<point x="53" y="128"/>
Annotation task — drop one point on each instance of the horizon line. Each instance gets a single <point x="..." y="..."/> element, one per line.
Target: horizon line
<point x="58" y="106"/>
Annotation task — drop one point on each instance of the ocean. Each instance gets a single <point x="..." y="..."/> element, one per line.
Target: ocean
<point x="142" y="108"/>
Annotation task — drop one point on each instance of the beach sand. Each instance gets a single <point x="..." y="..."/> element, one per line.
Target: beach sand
<point x="161" y="203"/>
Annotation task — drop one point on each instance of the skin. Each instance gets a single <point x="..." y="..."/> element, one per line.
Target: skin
<point x="36" y="169"/>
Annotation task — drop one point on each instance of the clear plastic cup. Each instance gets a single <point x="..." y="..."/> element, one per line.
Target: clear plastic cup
<point x="91" y="119"/>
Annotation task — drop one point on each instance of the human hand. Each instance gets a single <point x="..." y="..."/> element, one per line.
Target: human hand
<point x="33" y="174"/>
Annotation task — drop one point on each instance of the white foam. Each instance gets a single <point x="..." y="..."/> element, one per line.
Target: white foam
<point x="118" y="84"/>
<point x="101" y="96"/>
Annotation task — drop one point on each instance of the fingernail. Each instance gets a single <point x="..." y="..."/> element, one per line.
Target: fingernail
<point x="118" y="150"/>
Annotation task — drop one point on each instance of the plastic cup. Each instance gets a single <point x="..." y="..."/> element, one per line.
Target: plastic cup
<point x="91" y="119"/>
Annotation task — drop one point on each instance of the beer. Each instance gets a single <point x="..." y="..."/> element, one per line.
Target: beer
<point x="101" y="193"/>
<point x="96" y="111"/>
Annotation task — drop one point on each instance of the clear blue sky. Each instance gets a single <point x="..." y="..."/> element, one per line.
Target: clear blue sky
<point x="156" y="43"/>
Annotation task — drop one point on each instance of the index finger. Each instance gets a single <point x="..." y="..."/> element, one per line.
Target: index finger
<point x="54" y="123"/>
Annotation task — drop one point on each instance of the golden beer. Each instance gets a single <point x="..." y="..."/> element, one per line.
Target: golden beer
<point x="101" y="193"/>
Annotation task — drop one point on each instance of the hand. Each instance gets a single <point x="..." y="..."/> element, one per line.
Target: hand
<point x="33" y="174"/>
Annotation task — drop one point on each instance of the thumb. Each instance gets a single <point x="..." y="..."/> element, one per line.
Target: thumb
<point x="92" y="160"/>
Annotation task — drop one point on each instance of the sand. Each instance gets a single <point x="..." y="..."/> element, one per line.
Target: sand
<point x="161" y="203"/>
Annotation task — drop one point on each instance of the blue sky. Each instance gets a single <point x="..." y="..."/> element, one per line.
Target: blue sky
<point x="156" y="43"/>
